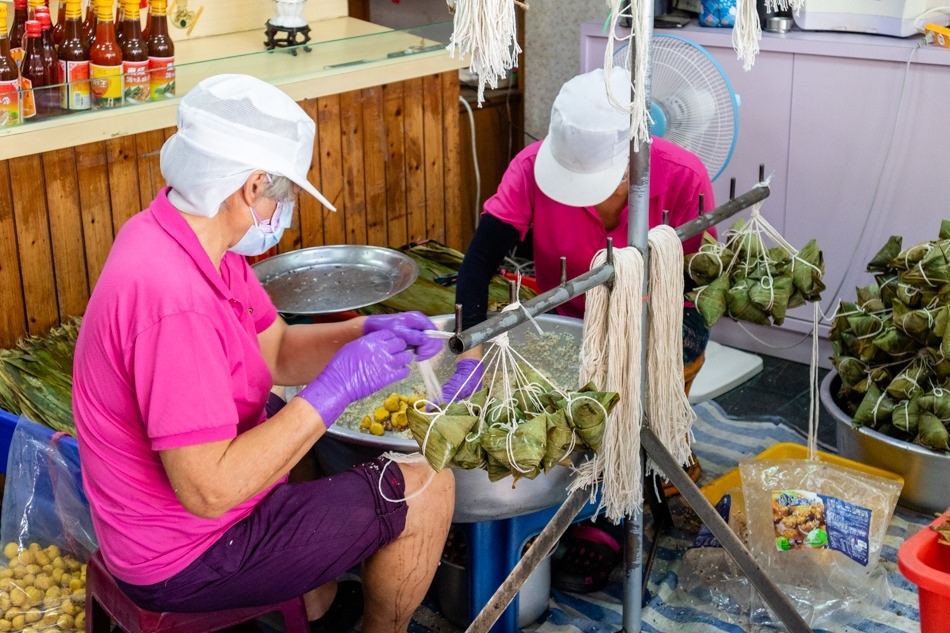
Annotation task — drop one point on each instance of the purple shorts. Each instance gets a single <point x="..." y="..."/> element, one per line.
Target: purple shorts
<point x="300" y="536"/>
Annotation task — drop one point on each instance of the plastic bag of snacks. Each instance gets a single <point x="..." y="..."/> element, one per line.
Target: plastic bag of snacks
<point x="47" y="534"/>
<point x="817" y="529"/>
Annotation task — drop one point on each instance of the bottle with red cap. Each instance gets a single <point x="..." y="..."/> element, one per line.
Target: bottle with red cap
<point x="35" y="75"/>
<point x="9" y="77"/>
<point x="74" y="61"/>
<point x="49" y="96"/>
<point x="18" y="30"/>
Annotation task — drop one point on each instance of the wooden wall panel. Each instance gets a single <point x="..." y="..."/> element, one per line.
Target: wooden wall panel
<point x="12" y="305"/>
<point x="65" y="225"/>
<point x="374" y="165"/>
<point x="387" y="156"/>
<point x="393" y="109"/>
<point x="354" y="184"/>
<point x="33" y="241"/>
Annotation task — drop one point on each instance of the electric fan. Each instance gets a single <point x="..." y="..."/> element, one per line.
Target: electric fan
<point x="694" y="106"/>
<point x="693" y="102"/>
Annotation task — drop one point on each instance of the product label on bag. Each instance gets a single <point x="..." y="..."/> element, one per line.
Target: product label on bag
<point x="76" y="94"/>
<point x="162" y="77"/>
<point x="105" y="85"/>
<point x="806" y="520"/>
<point x="9" y="103"/>
<point x="136" y="82"/>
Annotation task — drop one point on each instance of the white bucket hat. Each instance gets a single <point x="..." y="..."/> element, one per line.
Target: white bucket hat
<point x="228" y="127"/>
<point x="586" y="152"/>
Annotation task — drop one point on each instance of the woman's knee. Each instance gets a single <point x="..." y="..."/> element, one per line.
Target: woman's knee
<point x="430" y="496"/>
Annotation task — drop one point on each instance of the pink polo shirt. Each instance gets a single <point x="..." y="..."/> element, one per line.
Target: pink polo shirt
<point x="677" y="177"/>
<point x="167" y="357"/>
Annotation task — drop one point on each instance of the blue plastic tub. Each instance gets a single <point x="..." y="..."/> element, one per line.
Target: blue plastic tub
<point x="8" y="422"/>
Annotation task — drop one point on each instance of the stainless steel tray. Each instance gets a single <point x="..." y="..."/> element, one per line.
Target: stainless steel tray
<point x="326" y="279"/>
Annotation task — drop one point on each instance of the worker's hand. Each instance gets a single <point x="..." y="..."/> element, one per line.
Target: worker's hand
<point x="466" y="380"/>
<point x="410" y="327"/>
<point x="361" y="368"/>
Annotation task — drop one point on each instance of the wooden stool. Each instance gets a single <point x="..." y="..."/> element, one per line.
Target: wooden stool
<point x="105" y="602"/>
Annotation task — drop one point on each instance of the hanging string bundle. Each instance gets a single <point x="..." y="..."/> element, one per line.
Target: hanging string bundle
<point x="748" y="31"/>
<point x="611" y="355"/>
<point x="485" y="31"/>
<point x="637" y="107"/>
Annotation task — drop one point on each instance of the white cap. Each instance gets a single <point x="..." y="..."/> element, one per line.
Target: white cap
<point x="586" y="152"/>
<point x="228" y="127"/>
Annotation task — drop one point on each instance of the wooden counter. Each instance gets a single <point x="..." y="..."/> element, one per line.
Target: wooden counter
<point x="386" y="154"/>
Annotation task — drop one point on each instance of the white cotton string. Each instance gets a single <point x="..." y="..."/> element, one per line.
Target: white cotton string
<point x="669" y="413"/>
<point x="485" y="31"/>
<point x="403" y="458"/>
<point x="613" y="319"/>
<point x="813" y="404"/>
<point x="433" y="385"/>
<point x="746" y="33"/>
<point x="638" y="109"/>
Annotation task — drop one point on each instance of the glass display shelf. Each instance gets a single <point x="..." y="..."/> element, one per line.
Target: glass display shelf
<point x="343" y="54"/>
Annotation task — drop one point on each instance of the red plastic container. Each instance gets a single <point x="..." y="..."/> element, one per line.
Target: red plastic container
<point x="926" y="563"/>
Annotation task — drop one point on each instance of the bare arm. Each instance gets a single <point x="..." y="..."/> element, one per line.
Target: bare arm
<point x="210" y="479"/>
<point x="297" y="353"/>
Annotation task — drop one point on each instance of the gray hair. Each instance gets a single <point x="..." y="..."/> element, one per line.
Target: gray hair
<point x="280" y="188"/>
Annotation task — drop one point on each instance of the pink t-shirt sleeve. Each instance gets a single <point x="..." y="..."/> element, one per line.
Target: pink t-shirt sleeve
<point x="513" y="203"/>
<point x="182" y="382"/>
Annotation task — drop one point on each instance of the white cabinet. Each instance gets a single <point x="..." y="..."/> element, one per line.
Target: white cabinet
<point x="820" y="110"/>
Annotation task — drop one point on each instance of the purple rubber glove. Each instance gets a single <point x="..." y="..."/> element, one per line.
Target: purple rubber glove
<point x="466" y="380"/>
<point x="361" y="368"/>
<point x="410" y="327"/>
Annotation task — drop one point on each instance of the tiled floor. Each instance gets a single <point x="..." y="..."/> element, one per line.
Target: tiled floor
<point x="782" y="390"/>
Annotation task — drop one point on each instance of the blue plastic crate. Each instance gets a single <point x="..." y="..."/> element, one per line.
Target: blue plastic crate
<point x="8" y="422"/>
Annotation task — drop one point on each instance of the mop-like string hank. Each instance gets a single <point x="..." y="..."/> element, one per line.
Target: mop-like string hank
<point x="485" y="32"/>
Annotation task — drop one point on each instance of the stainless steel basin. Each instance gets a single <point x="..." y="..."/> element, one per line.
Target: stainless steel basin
<point x="925" y="472"/>
<point x="476" y="498"/>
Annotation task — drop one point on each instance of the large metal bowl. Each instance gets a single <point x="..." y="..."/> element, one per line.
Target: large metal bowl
<point x="926" y="473"/>
<point x="476" y="498"/>
<point x="328" y="279"/>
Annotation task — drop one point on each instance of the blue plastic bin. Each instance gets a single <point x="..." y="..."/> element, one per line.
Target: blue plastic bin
<point x="8" y="422"/>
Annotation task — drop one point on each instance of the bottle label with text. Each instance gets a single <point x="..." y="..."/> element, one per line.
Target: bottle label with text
<point x="136" y="82"/>
<point x="76" y="94"/>
<point x="27" y="102"/>
<point x="106" y="86"/>
<point x="9" y="103"/>
<point x="162" y="71"/>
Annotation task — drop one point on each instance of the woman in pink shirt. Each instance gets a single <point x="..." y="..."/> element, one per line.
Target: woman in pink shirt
<point x="185" y="471"/>
<point x="570" y="190"/>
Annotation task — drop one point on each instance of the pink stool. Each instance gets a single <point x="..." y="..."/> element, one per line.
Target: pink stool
<point x="106" y="602"/>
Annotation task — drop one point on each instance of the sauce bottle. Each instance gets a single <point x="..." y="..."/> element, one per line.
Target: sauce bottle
<point x="161" y="53"/>
<point x="105" y="61"/>
<point x="18" y="30"/>
<point x="89" y="24"/>
<point x="136" y="83"/>
<point x="49" y="96"/>
<point x="33" y="4"/>
<point x="148" y="22"/>
<point x="119" y="17"/>
<point x="34" y="75"/>
<point x="9" y="78"/>
<point x="74" y="61"/>
<point x="60" y="26"/>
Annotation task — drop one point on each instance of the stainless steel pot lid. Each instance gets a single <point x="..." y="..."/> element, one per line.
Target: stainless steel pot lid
<point x="327" y="279"/>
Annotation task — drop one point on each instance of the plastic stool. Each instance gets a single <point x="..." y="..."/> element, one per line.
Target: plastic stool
<point x="105" y="602"/>
<point x="493" y="549"/>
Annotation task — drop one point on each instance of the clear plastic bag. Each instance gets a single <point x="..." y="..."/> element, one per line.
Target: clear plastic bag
<point x="817" y="529"/>
<point x="47" y="534"/>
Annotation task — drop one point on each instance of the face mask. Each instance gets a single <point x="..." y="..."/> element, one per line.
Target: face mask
<point x="263" y="235"/>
